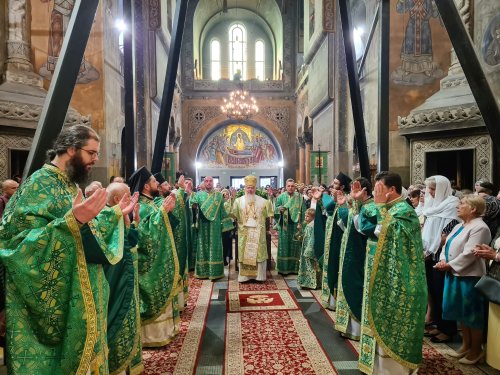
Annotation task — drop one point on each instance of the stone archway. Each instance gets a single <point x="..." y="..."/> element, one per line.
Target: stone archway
<point x="234" y="149"/>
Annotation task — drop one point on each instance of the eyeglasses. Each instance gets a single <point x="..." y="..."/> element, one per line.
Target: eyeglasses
<point x="93" y="154"/>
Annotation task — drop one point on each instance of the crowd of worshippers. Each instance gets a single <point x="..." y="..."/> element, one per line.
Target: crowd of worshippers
<point x="91" y="277"/>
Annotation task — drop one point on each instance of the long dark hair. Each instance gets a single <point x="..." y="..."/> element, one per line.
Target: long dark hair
<point x="75" y="136"/>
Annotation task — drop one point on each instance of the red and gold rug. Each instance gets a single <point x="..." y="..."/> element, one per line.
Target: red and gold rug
<point x="260" y="300"/>
<point x="274" y="281"/>
<point x="273" y="342"/>
<point x="180" y="356"/>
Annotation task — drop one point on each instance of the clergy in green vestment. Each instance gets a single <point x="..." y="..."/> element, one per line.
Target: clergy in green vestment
<point x="289" y="214"/>
<point x="252" y="213"/>
<point x="211" y="222"/>
<point x="54" y="249"/>
<point x="158" y="262"/>
<point x="124" y="318"/>
<point x="309" y="271"/>
<point x="352" y="261"/>
<point x="190" y="231"/>
<point x="396" y="300"/>
<point x="328" y="237"/>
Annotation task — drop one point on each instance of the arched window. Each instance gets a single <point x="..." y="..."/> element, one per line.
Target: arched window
<point x="238" y="51"/>
<point x="259" y="60"/>
<point x="215" y="60"/>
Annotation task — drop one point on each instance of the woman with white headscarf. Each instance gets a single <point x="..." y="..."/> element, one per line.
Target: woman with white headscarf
<point x="440" y="211"/>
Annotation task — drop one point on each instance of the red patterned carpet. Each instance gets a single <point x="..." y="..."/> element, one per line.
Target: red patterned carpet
<point x="436" y="360"/>
<point x="258" y="300"/>
<point x="273" y="342"/>
<point x="273" y="282"/>
<point x="180" y="356"/>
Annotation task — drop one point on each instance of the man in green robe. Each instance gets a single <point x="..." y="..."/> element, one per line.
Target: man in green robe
<point x="54" y="252"/>
<point x="289" y="214"/>
<point x="212" y="221"/>
<point x="352" y="262"/>
<point x="328" y="237"/>
<point x="124" y="318"/>
<point x="396" y="300"/>
<point x="158" y="262"/>
<point x="252" y="213"/>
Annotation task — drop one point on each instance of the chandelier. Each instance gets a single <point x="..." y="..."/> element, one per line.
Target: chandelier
<point x="239" y="106"/>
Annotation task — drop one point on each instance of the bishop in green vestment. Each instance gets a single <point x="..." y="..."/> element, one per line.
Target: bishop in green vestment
<point x="289" y="214"/>
<point x="54" y="254"/>
<point x="158" y="262"/>
<point x="352" y="262"/>
<point x="212" y="221"/>
<point x="396" y="301"/>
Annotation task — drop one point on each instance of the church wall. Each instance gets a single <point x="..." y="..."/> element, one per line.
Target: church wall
<point x="201" y="116"/>
<point x="3" y="37"/>
<point x="89" y="93"/>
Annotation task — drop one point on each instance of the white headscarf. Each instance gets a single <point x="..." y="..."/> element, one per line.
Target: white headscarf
<point x="439" y="212"/>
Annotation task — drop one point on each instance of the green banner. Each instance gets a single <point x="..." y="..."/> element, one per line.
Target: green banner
<point x="319" y="167"/>
<point x="168" y="168"/>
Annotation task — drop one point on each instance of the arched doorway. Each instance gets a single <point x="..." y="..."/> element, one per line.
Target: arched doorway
<point x="233" y="150"/>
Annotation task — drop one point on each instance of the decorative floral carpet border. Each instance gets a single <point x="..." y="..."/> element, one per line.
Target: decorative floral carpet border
<point x="436" y="360"/>
<point x="260" y="300"/>
<point x="273" y="282"/>
<point x="179" y="357"/>
<point x="273" y="342"/>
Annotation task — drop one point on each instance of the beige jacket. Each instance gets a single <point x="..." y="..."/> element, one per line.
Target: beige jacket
<point x="460" y="255"/>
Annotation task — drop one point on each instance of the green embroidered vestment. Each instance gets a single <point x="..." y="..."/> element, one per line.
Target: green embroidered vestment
<point x="288" y="247"/>
<point x="158" y="262"/>
<point x="212" y="221"/>
<point x="56" y="298"/>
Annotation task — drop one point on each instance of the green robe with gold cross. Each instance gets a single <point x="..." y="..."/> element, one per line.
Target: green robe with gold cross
<point x="328" y="240"/>
<point x="158" y="261"/>
<point x="56" y="289"/>
<point x="288" y="245"/>
<point x="396" y="300"/>
<point x="212" y="221"/>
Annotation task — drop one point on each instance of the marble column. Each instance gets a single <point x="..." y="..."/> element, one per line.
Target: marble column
<point x="302" y="156"/>
<point x="308" y="139"/>
<point x="18" y="65"/>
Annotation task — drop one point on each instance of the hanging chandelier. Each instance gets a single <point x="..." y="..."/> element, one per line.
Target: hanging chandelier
<point x="239" y="106"/>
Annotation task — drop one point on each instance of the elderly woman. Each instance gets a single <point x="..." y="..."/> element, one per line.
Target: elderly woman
<point x="440" y="212"/>
<point x="461" y="302"/>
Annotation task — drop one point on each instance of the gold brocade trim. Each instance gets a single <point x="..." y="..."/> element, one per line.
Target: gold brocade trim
<point x="177" y="277"/>
<point x="365" y="369"/>
<point x="88" y="298"/>
<point x="376" y="261"/>
<point x="180" y="197"/>
<point x="103" y="355"/>
<point x="121" y="235"/>
<point x="137" y="369"/>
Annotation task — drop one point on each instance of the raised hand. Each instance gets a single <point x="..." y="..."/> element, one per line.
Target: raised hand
<point x="127" y="203"/>
<point x="181" y="182"/>
<point x="340" y="198"/>
<point x="137" y="217"/>
<point x="169" y="203"/>
<point x="380" y="194"/>
<point x="356" y="191"/>
<point x="188" y="186"/>
<point x="86" y="210"/>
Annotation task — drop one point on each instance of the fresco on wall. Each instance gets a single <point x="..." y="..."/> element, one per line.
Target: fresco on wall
<point x="238" y="146"/>
<point x="490" y="47"/>
<point x="59" y="19"/>
<point x="417" y="66"/>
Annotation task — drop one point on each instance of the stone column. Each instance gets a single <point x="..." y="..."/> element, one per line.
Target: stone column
<point x="176" y="146"/>
<point x="302" y="155"/>
<point x="18" y="65"/>
<point x="308" y="139"/>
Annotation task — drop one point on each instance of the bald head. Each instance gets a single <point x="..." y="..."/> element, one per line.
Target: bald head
<point x="9" y="187"/>
<point x="116" y="191"/>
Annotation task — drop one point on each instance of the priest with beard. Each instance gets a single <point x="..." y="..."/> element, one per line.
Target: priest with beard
<point x="54" y="245"/>
<point x="164" y="188"/>
<point x="158" y="262"/>
<point x="252" y="213"/>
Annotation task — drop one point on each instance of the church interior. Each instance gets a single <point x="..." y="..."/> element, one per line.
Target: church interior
<point x="275" y="89"/>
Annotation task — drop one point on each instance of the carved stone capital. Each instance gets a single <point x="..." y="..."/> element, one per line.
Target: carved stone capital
<point x="308" y="137"/>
